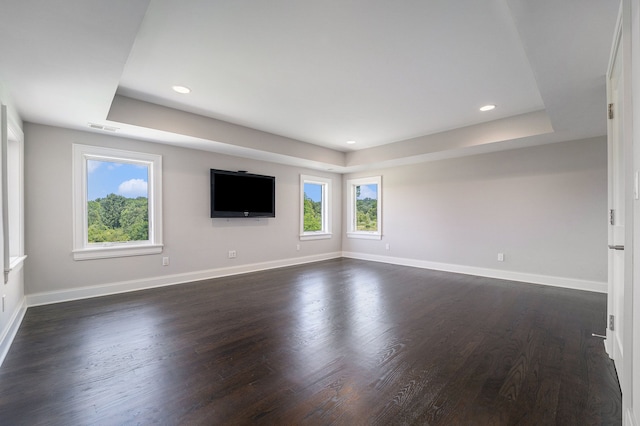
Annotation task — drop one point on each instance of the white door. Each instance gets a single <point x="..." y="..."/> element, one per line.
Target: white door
<point x="622" y="192"/>
<point x="616" y="293"/>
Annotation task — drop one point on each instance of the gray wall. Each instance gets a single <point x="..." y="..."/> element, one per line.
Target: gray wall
<point x="193" y="241"/>
<point x="544" y="207"/>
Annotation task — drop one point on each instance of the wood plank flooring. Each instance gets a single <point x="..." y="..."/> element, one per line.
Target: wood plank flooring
<point x="336" y="342"/>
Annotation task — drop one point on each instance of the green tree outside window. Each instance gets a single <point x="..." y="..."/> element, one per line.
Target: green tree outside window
<point x="312" y="207"/>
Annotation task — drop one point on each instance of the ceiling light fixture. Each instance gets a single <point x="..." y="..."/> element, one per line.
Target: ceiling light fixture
<point x="181" y="89"/>
<point x="487" y="108"/>
<point x="351" y="142"/>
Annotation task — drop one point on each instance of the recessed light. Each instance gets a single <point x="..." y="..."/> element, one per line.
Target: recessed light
<point x="487" y="108"/>
<point x="351" y="142"/>
<point x="181" y="89"/>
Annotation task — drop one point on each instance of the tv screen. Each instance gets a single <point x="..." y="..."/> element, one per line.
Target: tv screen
<point x="241" y="194"/>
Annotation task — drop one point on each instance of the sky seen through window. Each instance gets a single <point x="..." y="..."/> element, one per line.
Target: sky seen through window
<point x="106" y="177"/>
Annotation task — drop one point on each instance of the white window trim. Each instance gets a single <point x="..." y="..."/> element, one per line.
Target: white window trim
<point x="351" y="207"/>
<point x="82" y="250"/>
<point x="325" y="233"/>
<point x="12" y="208"/>
<point x="16" y="217"/>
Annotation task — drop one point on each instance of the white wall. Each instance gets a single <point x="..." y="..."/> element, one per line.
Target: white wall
<point x="544" y="207"/>
<point x="196" y="244"/>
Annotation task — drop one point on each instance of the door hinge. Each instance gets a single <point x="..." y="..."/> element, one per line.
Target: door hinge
<point x="611" y="217"/>
<point x="610" y="111"/>
<point x="611" y="322"/>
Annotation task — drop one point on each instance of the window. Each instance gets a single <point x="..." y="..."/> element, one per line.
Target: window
<point x="117" y="203"/>
<point x="365" y="208"/>
<point x="315" y="207"/>
<point x="15" y="201"/>
<point x="12" y="193"/>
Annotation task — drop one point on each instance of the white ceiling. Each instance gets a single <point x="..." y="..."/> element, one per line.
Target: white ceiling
<point x="292" y="81"/>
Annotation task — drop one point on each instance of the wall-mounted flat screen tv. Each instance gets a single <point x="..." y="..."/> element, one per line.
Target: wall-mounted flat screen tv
<point x="241" y="194"/>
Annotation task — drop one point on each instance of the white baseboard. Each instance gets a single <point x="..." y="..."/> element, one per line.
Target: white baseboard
<point x="9" y="333"/>
<point x="46" y="298"/>
<point x="572" y="283"/>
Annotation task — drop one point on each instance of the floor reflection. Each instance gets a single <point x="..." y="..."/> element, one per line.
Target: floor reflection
<point x="340" y="318"/>
<point x="115" y="360"/>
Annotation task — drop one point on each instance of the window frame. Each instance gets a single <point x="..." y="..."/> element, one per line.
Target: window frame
<point x="352" y="231"/>
<point x="12" y="152"/>
<point x="82" y="249"/>
<point x="325" y="232"/>
<point x="15" y="197"/>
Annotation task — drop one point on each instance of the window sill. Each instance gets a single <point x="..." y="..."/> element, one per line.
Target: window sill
<point x="365" y="235"/>
<point x="16" y="262"/>
<point x="315" y="236"/>
<point x="116" y="251"/>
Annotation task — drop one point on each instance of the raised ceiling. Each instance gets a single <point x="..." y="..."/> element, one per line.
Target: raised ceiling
<point x="291" y="81"/>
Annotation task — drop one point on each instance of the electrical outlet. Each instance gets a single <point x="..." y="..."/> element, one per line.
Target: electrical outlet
<point x="387" y="247"/>
<point x="298" y="247"/>
<point x="165" y="261"/>
<point x="232" y="254"/>
<point x="500" y="257"/>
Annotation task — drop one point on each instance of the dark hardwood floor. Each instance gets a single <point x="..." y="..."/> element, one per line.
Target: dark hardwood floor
<point x="336" y="342"/>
